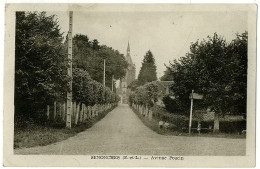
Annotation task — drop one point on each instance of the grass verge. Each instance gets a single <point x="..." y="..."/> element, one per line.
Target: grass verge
<point x="37" y="135"/>
<point x="153" y="125"/>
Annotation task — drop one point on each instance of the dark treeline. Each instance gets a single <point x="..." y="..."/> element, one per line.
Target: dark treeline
<point x="41" y="64"/>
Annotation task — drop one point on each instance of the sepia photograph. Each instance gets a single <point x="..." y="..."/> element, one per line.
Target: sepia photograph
<point x="130" y="85"/>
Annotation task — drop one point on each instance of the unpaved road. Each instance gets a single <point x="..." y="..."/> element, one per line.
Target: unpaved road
<point x="122" y="133"/>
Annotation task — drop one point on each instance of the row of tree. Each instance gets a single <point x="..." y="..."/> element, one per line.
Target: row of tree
<point x="90" y="92"/>
<point x="41" y="64"/>
<point x="89" y="55"/>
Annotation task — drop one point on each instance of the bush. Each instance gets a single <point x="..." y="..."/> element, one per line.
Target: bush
<point x="178" y="121"/>
<point x="232" y="126"/>
<point x="145" y="95"/>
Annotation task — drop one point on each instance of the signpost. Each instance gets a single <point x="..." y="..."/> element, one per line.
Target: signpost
<point x="193" y="96"/>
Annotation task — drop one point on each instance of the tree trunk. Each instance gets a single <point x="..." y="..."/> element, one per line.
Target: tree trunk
<point x="216" y="123"/>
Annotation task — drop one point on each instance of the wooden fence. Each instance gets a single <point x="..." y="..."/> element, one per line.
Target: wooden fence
<point x="143" y="110"/>
<point x="80" y="112"/>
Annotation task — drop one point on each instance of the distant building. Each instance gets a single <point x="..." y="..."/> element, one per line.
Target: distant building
<point x="129" y="77"/>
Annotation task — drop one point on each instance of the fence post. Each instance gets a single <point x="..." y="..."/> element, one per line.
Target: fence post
<point x="81" y="112"/>
<point x="48" y="112"/>
<point x="150" y="116"/>
<point x="64" y="111"/>
<point x="77" y="113"/>
<point x="74" y="110"/>
<point x="60" y="108"/>
<point x="147" y="111"/>
<point x="55" y="110"/>
<point x="84" y="111"/>
<point x="89" y="112"/>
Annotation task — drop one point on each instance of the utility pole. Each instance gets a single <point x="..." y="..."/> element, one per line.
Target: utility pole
<point x="69" y="93"/>
<point x="112" y="82"/>
<point x="191" y="107"/>
<point x="104" y="76"/>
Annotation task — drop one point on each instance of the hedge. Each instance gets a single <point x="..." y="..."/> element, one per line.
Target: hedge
<point x="89" y="91"/>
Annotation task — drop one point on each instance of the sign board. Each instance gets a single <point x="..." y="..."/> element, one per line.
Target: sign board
<point x="196" y="96"/>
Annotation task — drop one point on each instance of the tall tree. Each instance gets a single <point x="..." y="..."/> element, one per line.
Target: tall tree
<point x="167" y="76"/>
<point x="216" y="69"/>
<point x="89" y="56"/>
<point x="148" y="69"/>
<point x="40" y="63"/>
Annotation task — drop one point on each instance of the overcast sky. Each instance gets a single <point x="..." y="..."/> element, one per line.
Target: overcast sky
<point x="167" y="34"/>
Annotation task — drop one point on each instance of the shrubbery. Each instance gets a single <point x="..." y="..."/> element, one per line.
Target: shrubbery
<point x="89" y="91"/>
<point x="181" y="122"/>
<point x="145" y="95"/>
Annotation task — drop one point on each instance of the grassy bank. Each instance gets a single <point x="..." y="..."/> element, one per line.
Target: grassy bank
<point x="153" y="125"/>
<point x="37" y="135"/>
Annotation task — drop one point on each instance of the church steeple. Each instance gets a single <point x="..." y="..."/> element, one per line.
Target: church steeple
<point x="128" y="56"/>
<point x="128" y="49"/>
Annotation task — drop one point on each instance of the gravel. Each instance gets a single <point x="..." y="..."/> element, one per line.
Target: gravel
<point x="122" y="133"/>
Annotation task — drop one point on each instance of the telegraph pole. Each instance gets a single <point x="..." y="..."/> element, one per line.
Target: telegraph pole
<point x="191" y="107"/>
<point x="112" y="82"/>
<point x="69" y="93"/>
<point x="104" y="76"/>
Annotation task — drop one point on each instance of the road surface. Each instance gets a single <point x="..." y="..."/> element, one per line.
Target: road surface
<point x="122" y="133"/>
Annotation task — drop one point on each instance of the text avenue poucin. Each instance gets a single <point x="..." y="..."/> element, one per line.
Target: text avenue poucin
<point x="167" y="158"/>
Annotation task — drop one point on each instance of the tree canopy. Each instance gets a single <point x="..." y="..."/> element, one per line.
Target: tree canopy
<point x="41" y="63"/>
<point x="148" y="70"/>
<point x="89" y="55"/>
<point x="216" y="69"/>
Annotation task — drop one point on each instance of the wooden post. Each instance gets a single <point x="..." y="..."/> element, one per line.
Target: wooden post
<point x="104" y="76"/>
<point x="74" y="110"/>
<point x="48" y="112"/>
<point x="69" y="93"/>
<point x="84" y="111"/>
<point x="81" y="112"/>
<point x="60" y="109"/>
<point x="63" y="111"/>
<point x="150" y="116"/>
<point x="54" y="110"/>
<point x="191" y="107"/>
<point x="89" y="112"/>
<point x="77" y="114"/>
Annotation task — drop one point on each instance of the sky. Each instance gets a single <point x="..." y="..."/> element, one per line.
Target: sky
<point x="167" y="34"/>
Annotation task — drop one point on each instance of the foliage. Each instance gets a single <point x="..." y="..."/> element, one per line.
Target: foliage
<point x="89" y="91"/>
<point x="41" y="67"/>
<point x="148" y="70"/>
<point x="167" y="75"/>
<point x="173" y="105"/>
<point x="145" y="95"/>
<point x="40" y="63"/>
<point x="89" y="55"/>
<point x="134" y="84"/>
<point x="161" y="114"/>
<point x="216" y="69"/>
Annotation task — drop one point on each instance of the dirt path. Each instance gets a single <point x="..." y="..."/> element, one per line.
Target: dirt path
<point x="122" y="133"/>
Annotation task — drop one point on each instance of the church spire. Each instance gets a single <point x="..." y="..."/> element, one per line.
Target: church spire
<point x="128" y="48"/>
